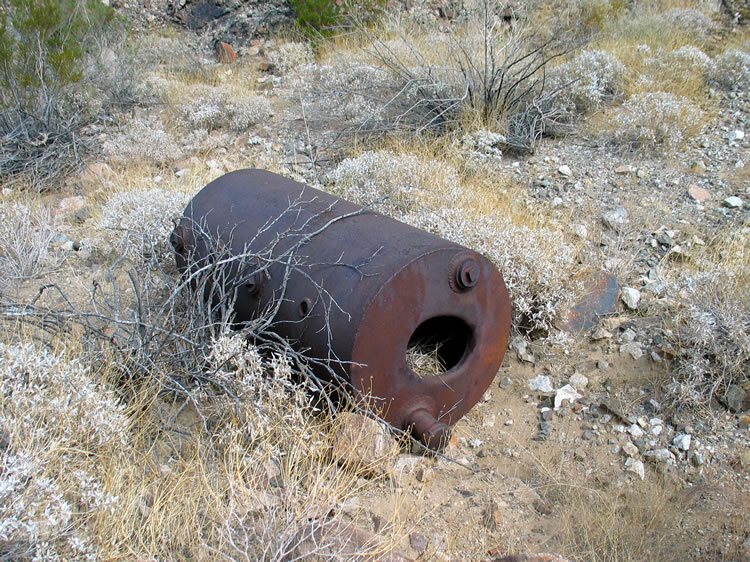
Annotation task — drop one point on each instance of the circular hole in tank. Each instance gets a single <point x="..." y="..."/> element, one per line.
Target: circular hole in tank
<point x="438" y="345"/>
<point x="304" y="307"/>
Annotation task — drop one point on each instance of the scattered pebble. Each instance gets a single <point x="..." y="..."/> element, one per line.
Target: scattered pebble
<point x="733" y="202"/>
<point x="631" y="297"/>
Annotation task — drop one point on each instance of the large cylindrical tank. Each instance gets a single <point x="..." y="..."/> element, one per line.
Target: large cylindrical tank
<point x="353" y="290"/>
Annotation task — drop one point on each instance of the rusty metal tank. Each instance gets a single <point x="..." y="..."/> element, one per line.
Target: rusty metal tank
<point x="357" y="290"/>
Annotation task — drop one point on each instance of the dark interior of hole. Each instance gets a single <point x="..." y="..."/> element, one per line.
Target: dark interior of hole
<point x="450" y="335"/>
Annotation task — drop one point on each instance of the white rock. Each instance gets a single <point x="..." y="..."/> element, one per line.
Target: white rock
<point x="636" y="467"/>
<point x="579" y="381"/>
<point x="568" y="393"/>
<point x="635" y="431"/>
<point x="736" y="135"/>
<point x="631" y="297"/>
<point x="564" y="171"/>
<point x="656" y="430"/>
<point x="541" y="383"/>
<point x="734" y="202"/>
<point x="581" y="231"/>
<point x="682" y="441"/>
<point x="475" y="443"/>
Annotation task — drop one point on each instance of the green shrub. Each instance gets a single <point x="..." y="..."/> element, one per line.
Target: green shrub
<point x="319" y="17"/>
<point x="45" y="47"/>
<point x="43" y="43"/>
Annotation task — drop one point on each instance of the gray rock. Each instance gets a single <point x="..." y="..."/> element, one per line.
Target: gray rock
<point x="634" y="349"/>
<point x="628" y="336"/>
<point x="564" y="171"/>
<point x="505" y="382"/>
<point x="631" y="297"/>
<point x="615" y="219"/>
<point x="737" y="398"/>
<point x="659" y="455"/>
<point x="541" y="383"/>
<point x="579" y="381"/>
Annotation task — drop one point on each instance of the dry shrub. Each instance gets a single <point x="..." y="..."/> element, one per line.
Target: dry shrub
<point x="710" y="314"/>
<point x="587" y="81"/>
<point x="287" y="56"/>
<point x="57" y="424"/>
<point x="653" y="120"/>
<point x="138" y="222"/>
<point x="142" y="141"/>
<point x="732" y="69"/>
<point x="484" y="73"/>
<point x="214" y="107"/>
<point x="394" y="183"/>
<point x="620" y="523"/>
<point x="26" y="232"/>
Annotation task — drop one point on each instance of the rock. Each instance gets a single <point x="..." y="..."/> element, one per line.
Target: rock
<point x="70" y="205"/>
<point x="698" y="167"/>
<point x="629" y="449"/>
<point x="520" y="345"/>
<point x="564" y="171"/>
<point x="224" y="52"/>
<point x="622" y="170"/>
<point x="601" y="334"/>
<point x="628" y="336"/>
<point x="234" y="21"/>
<point x="418" y="542"/>
<point x="588" y="435"/>
<point x="631" y="297"/>
<point x="491" y="516"/>
<point x="581" y="231"/>
<point x="635" y="431"/>
<point x="96" y="173"/>
<point x="541" y="383"/>
<point x="566" y="393"/>
<point x="505" y="382"/>
<point x="615" y="219"/>
<point x="736" y="135"/>
<point x="733" y="202"/>
<point x="633" y="348"/>
<point x="598" y="301"/>
<point x="636" y="467"/>
<point x="737" y="398"/>
<point x="697" y="459"/>
<point x="659" y="455"/>
<point x="364" y="443"/>
<point x="698" y="193"/>
<point x="682" y="441"/>
<point x="579" y="381"/>
<point x="542" y="507"/>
